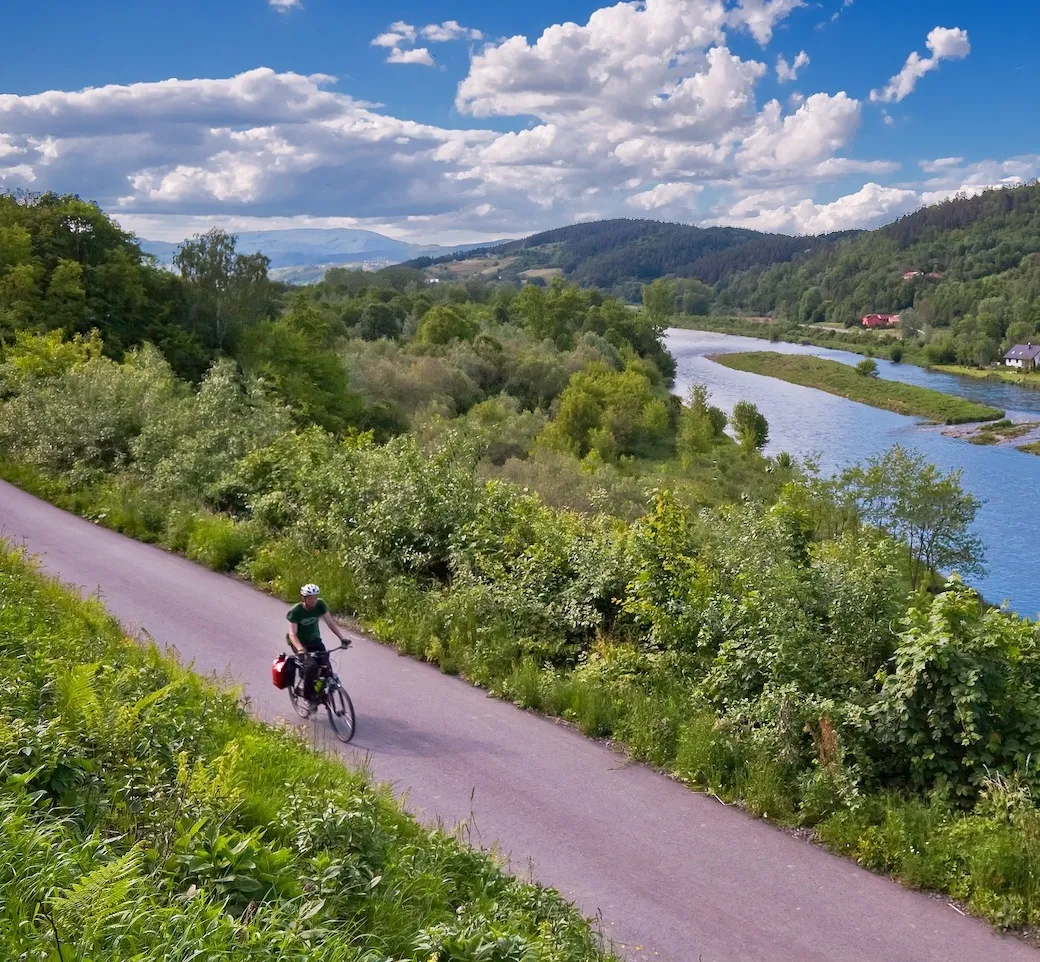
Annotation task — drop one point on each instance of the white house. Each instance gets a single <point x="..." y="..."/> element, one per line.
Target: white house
<point x="1023" y="356"/>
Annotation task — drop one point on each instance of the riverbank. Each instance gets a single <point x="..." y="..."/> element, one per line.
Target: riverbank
<point x="844" y="381"/>
<point x="1028" y="381"/>
<point x="867" y="343"/>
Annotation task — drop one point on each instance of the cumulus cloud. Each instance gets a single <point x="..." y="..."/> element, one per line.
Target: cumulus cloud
<point x="789" y="71"/>
<point x="870" y="206"/>
<point x="261" y="142"/>
<point x="449" y="30"/>
<point x="400" y="37"/>
<point x="419" y="55"/>
<point x="644" y="107"/>
<point x="822" y="125"/>
<point x="284" y="6"/>
<point x="664" y="195"/>
<point x="396" y="34"/>
<point x="944" y="43"/>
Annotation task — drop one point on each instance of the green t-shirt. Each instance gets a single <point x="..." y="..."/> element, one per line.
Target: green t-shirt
<point x="306" y="621"/>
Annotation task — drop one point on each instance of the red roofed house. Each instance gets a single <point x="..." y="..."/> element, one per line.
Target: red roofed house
<point x="881" y="320"/>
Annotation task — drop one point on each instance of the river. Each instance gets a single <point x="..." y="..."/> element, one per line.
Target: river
<point x="804" y="421"/>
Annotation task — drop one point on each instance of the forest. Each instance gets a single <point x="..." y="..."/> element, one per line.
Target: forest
<point x="963" y="275"/>
<point x="497" y="479"/>
<point x="619" y="255"/>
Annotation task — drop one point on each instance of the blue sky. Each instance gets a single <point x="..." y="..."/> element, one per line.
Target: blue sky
<point x="286" y="113"/>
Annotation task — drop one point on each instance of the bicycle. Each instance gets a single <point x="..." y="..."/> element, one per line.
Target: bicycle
<point x="328" y="690"/>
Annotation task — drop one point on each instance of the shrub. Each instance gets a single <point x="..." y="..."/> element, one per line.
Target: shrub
<point x="221" y="543"/>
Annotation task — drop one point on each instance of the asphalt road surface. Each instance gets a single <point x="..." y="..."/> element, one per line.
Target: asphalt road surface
<point x="674" y="876"/>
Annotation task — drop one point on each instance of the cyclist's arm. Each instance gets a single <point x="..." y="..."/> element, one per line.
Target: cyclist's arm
<point x="334" y="627"/>
<point x="294" y="638"/>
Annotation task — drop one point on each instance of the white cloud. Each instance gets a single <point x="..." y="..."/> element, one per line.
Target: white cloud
<point x="760" y="17"/>
<point x="419" y="55"/>
<point x="664" y="195"/>
<point x="284" y="6"/>
<point x="396" y="34"/>
<point x="786" y="71"/>
<point x="870" y="206"/>
<point x="818" y="128"/>
<point x="449" y="30"/>
<point x="940" y="164"/>
<point x="645" y="107"/>
<point x="400" y="38"/>
<point x="944" y="43"/>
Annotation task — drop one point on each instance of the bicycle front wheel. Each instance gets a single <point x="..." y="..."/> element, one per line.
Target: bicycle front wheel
<point x="341" y="714"/>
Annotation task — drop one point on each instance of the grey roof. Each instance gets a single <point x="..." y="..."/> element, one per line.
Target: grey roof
<point x="1023" y="352"/>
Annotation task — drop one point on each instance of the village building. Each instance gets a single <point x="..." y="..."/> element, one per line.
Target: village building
<point x="1023" y="356"/>
<point x="880" y="320"/>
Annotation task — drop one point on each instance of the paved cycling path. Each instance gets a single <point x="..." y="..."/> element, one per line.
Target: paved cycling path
<point x="676" y="876"/>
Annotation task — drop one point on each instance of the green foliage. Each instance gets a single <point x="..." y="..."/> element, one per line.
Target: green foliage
<point x="610" y="412"/>
<point x="701" y="425"/>
<point x="443" y="324"/>
<point x="659" y="300"/>
<point x="973" y="291"/>
<point x="66" y="267"/>
<point x="962" y="701"/>
<point x="924" y="509"/>
<point x="295" y="356"/>
<point x="227" y="292"/>
<point x="751" y="426"/>
<point x="867" y="368"/>
<point x="143" y="813"/>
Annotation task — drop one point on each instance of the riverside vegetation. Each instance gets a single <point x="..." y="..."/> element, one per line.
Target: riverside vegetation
<point x="861" y="384"/>
<point x="143" y="815"/>
<point x="498" y="481"/>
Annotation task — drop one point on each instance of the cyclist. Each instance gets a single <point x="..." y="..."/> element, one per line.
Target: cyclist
<point x="305" y="637"/>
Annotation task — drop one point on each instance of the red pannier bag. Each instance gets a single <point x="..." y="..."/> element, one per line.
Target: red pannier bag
<point x="283" y="671"/>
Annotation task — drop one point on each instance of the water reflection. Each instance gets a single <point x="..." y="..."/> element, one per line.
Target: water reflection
<point x="804" y="421"/>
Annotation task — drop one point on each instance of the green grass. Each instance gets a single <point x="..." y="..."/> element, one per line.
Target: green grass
<point x="844" y="381"/>
<point x="144" y="815"/>
<point x="992" y="374"/>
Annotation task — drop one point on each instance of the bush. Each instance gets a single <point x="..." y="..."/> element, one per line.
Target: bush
<point x="867" y="367"/>
<point x="221" y="543"/>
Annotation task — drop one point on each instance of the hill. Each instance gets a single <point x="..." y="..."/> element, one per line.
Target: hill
<point x="622" y="254"/>
<point x="964" y="275"/>
<point x="303" y="254"/>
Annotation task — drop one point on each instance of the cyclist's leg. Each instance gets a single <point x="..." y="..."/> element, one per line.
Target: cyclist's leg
<point x="323" y="666"/>
<point x="311" y="667"/>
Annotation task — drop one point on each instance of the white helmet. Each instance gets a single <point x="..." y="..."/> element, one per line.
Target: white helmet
<point x="309" y="591"/>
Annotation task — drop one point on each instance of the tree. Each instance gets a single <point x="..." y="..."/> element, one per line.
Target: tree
<point x="700" y="425"/>
<point x="659" y="300"/>
<point x="751" y="426"/>
<point x="379" y="321"/>
<point x="228" y="290"/>
<point x="443" y="324"/>
<point x="867" y="367"/>
<point x="925" y="510"/>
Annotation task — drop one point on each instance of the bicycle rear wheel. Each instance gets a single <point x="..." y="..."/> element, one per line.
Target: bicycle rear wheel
<point x="299" y="703"/>
<point x="341" y="714"/>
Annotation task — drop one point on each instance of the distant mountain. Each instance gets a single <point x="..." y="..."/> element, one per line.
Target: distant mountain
<point x="312" y="248"/>
<point x="621" y="252"/>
